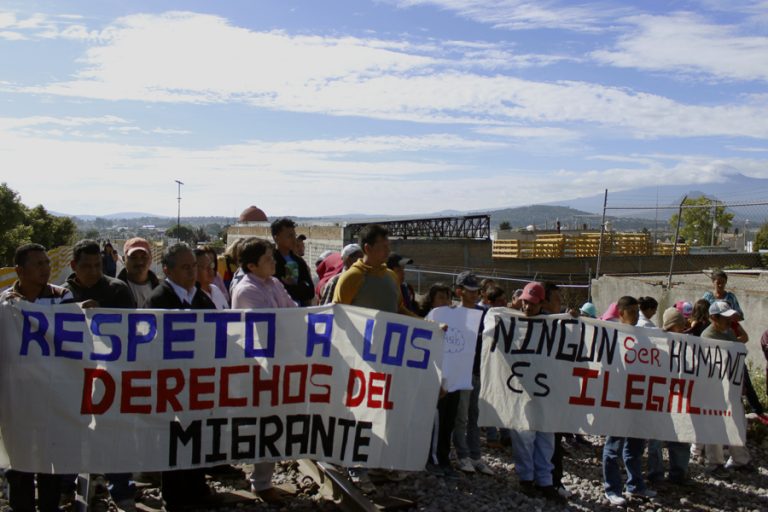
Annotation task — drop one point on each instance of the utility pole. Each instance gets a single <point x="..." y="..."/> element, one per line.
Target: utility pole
<point x="178" y="213"/>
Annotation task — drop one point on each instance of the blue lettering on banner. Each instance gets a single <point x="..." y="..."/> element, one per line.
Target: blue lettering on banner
<point x="61" y="335"/>
<point x="251" y="319"/>
<point x="135" y="338"/>
<point x="222" y="320"/>
<point x="319" y="338"/>
<point x="28" y="335"/>
<point x="368" y="340"/>
<point x="417" y="334"/>
<point x="172" y="335"/>
<point x="402" y="331"/>
<point x="96" y="322"/>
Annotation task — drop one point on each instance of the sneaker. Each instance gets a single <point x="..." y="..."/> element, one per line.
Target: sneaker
<point x="744" y="468"/>
<point x="466" y="465"/>
<point x="718" y="472"/>
<point x="615" y="500"/>
<point x="360" y="478"/>
<point x="563" y="491"/>
<point x="482" y="467"/>
<point x="549" y="492"/>
<point x="645" y="494"/>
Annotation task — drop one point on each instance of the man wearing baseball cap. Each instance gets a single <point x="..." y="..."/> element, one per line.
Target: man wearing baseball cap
<point x="397" y="264"/>
<point x="532" y="451"/>
<point x="720" y="317"/>
<point x="136" y="274"/>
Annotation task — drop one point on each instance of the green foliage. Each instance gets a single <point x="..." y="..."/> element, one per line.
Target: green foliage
<point x="184" y="233"/>
<point x="761" y="239"/>
<point x="505" y="225"/>
<point x="696" y="225"/>
<point x="20" y="225"/>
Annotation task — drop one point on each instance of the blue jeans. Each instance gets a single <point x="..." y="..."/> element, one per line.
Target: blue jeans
<point x="679" y="456"/>
<point x="496" y="434"/>
<point x="631" y="450"/>
<point x="532" y="453"/>
<point x="466" y="433"/>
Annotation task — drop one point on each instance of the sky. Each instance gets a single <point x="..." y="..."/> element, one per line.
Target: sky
<point x="314" y="108"/>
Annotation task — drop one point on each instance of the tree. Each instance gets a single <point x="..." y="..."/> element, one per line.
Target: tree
<point x="697" y="223"/>
<point x="761" y="239"/>
<point x="504" y="225"/>
<point x="20" y="225"/>
<point x="183" y="233"/>
<point x="201" y="235"/>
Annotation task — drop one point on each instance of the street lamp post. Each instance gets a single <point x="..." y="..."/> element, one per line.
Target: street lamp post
<point x="178" y="213"/>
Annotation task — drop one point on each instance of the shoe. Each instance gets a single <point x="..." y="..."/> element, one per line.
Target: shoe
<point x="645" y="494"/>
<point x="466" y="465"/>
<point x="360" y="478"/>
<point x="718" y="472"/>
<point x="615" y="500"/>
<point x="563" y="491"/>
<point x="450" y="474"/>
<point x="527" y="488"/>
<point x="743" y="468"/>
<point x="481" y="467"/>
<point x="549" y="492"/>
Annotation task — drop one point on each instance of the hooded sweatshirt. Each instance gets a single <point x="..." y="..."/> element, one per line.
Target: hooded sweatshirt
<point x="370" y="287"/>
<point x="328" y="268"/>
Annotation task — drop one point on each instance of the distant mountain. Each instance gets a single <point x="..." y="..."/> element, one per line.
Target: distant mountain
<point x="736" y="188"/>
<point x="541" y="216"/>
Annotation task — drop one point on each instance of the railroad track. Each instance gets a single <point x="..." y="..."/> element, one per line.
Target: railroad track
<point x="334" y="484"/>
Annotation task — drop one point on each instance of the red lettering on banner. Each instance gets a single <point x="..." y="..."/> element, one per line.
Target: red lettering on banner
<point x="198" y="387"/>
<point x="654" y="402"/>
<point x="604" y="399"/>
<point x="270" y="385"/>
<point x="91" y="375"/>
<point x="291" y="369"/>
<point x="129" y="391"/>
<point x="374" y="390"/>
<point x="322" y="398"/>
<point x="224" y="399"/>
<point x="355" y="377"/>
<point x="584" y="374"/>
<point x="167" y="395"/>
<point x="632" y="378"/>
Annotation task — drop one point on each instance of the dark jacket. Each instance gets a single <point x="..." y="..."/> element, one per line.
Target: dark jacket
<point x="108" y="292"/>
<point x="154" y="282"/>
<point x="303" y="291"/>
<point x="163" y="297"/>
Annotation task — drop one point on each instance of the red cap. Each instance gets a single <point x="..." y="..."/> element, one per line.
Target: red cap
<point x="136" y="244"/>
<point x="533" y="292"/>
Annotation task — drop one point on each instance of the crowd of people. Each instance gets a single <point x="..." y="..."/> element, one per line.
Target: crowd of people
<point x="256" y="273"/>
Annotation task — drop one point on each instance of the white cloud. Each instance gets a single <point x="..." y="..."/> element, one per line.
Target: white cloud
<point x="358" y="77"/>
<point x="44" y="26"/>
<point x="686" y="43"/>
<point x="524" y="14"/>
<point x="10" y="123"/>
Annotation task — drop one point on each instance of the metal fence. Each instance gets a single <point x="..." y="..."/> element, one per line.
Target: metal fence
<point x="692" y="227"/>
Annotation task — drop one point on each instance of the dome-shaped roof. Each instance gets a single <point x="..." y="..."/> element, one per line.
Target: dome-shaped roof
<point x="253" y="214"/>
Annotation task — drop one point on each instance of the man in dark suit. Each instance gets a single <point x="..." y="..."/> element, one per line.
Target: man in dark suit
<point x="184" y="488"/>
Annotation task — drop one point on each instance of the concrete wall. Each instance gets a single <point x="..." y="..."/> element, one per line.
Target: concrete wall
<point x="753" y="301"/>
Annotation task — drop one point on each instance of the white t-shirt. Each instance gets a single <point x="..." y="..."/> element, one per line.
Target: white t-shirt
<point x="141" y="293"/>
<point x="218" y="297"/>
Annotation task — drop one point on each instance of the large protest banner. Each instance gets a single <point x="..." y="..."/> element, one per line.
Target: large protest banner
<point x="563" y="374"/>
<point x="106" y="390"/>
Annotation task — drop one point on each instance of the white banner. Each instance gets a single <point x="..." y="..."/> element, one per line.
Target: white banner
<point x="562" y="374"/>
<point x="460" y="342"/>
<point x="107" y="390"/>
